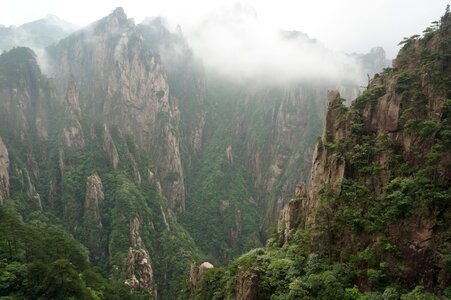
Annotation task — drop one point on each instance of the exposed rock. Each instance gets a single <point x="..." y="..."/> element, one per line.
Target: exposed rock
<point x="387" y="113"/>
<point x="4" y="172"/>
<point x="29" y="186"/>
<point x="229" y="154"/>
<point x="37" y="201"/>
<point x="301" y="190"/>
<point x="164" y="218"/>
<point x="73" y="135"/>
<point x="61" y="164"/>
<point x="51" y="193"/>
<point x="198" y="132"/>
<point x="109" y="147"/>
<point x="328" y="169"/>
<point x="32" y="165"/>
<point x="289" y="218"/>
<point x="140" y="271"/>
<point x="131" y="159"/>
<point x="135" y="226"/>
<point x="27" y="101"/>
<point x="94" y="198"/>
<point x="150" y="176"/>
<point x="72" y="131"/>
<point x="123" y="83"/>
<point x="247" y="284"/>
<point x="92" y="218"/>
<point x="196" y="272"/>
<point x="139" y="266"/>
<point x="205" y="266"/>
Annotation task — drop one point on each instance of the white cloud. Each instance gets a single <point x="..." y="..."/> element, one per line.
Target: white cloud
<point x="232" y="41"/>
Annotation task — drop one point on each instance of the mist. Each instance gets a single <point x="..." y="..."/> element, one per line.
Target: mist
<point x="232" y="42"/>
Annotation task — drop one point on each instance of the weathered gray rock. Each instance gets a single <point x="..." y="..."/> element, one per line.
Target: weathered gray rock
<point x="4" y="172"/>
<point x="109" y="147"/>
<point x="122" y="83"/>
<point x="247" y="284"/>
<point x="92" y="214"/>
<point x="140" y="271"/>
<point x="72" y="131"/>
<point x="27" y="101"/>
<point x="94" y="199"/>
<point x="195" y="273"/>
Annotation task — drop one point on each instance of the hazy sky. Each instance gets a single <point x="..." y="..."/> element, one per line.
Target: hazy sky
<point x="345" y="25"/>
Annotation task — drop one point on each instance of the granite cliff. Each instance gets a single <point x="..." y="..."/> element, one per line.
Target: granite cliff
<point x="374" y="220"/>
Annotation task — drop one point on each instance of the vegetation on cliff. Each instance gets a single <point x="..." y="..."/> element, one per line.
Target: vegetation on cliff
<point x="376" y="223"/>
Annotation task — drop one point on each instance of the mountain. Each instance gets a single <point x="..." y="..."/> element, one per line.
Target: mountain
<point x="374" y="61"/>
<point x="37" y="34"/>
<point x="374" y="221"/>
<point x="94" y="177"/>
<point x="130" y="161"/>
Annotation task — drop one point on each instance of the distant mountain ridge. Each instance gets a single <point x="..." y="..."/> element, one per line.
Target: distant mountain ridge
<point x="37" y="34"/>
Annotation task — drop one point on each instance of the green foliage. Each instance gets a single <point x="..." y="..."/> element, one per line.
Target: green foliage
<point x="172" y="176"/>
<point x="419" y="293"/>
<point x="220" y="189"/>
<point x="31" y="269"/>
<point x="359" y="232"/>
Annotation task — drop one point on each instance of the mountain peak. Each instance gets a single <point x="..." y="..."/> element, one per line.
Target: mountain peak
<point x="119" y="13"/>
<point x="117" y="20"/>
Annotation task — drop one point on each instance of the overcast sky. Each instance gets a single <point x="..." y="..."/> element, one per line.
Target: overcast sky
<point x="345" y="25"/>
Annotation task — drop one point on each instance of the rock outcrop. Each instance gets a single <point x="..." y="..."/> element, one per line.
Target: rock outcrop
<point x="92" y="215"/>
<point x="196" y="272"/>
<point x="400" y="121"/>
<point x="72" y="131"/>
<point x="140" y="271"/>
<point x="139" y="265"/>
<point x="247" y="284"/>
<point x="290" y="215"/>
<point x="27" y="99"/>
<point x="328" y="168"/>
<point x="4" y="172"/>
<point x="122" y="83"/>
<point x="109" y="147"/>
<point x="94" y="198"/>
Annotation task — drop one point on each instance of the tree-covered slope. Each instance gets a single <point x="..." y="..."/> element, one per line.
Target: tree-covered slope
<point x="375" y="222"/>
<point x="65" y="176"/>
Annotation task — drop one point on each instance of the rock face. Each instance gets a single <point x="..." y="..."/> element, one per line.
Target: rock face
<point x="328" y="168"/>
<point x="109" y="147"/>
<point x="92" y="217"/>
<point x="295" y="117"/>
<point x="196" y="272"/>
<point x="247" y="284"/>
<point x="4" y="173"/>
<point x="139" y="265"/>
<point x="124" y="84"/>
<point x="26" y="97"/>
<point x="139" y="270"/>
<point x="94" y="197"/>
<point x="399" y="121"/>
<point x="72" y="132"/>
<point x="290" y="215"/>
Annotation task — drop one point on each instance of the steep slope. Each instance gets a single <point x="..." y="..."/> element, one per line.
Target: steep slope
<point x="126" y="127"/>
<point x="375" y="220"/>
<point x="121" y="82"/>
<point x="257" y="144"/>
<point x="59" y="167"/>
